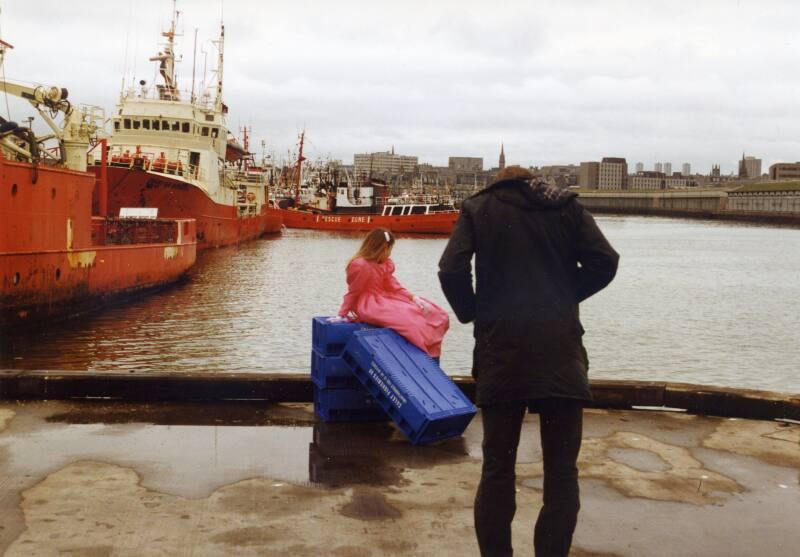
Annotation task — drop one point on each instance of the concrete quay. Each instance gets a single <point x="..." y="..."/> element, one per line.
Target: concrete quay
<point x="239" y="465"/>
<point x="99" y="477"/>
<point x="754" y="204"/>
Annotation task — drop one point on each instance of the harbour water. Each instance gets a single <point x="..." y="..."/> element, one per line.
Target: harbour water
<point x="694" y="301"/>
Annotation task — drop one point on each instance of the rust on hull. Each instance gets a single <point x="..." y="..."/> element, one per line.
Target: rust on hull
<point x="56" y="259"/>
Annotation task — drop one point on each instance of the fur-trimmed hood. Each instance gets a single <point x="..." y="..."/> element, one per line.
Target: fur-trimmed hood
<point x="529" y="193"/>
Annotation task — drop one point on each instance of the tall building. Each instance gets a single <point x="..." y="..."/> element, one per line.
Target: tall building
<point x="668" y="168"/>
<point x="647" y="180"/>
<point x="367" y="164"/>
<point x="686" y="169"/>
<point x="785" y="171"/>
<point x="639" y="167"/>
<point x="502" y="163"/>
<point x="650" y="180"/>
<point x="613" y="173"/>
<point x="658" y="167"/>
<point x="465" y="164"/>
<point x="749" y="167"/>
<point x="589" y="174"/>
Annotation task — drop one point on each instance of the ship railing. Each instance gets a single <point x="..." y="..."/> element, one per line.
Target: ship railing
<point x="248" y="177"/>
<point x="416" y="200"/>
<point x="247" y="209"/>
<point x="448" y="209"/>
<point x="148" y="163"/>
<point x="203" y="101"/>
<point x="123" y="231"/>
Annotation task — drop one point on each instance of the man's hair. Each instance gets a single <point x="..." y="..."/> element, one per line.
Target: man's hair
<point x="515" y="171"/>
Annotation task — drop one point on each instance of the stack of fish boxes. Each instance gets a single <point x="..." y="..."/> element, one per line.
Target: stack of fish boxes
<point x="366" y="373"/>
<point x="409" y="385"/>
<point x="338" y="395"/>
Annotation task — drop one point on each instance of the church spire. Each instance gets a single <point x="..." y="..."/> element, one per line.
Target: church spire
<point x="502" y="157"/>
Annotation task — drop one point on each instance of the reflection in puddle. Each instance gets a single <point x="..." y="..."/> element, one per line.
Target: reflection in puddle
<point x="344" y="454"/>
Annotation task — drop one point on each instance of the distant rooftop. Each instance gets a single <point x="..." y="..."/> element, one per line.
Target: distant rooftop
<point x="793" y="185"/>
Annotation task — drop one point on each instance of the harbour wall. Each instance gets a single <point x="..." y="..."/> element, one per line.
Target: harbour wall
<point x="776" y="207"/>
<point x="273" y="388"/>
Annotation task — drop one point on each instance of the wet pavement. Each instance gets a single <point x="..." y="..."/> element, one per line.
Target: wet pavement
<point x="99" y="478"/>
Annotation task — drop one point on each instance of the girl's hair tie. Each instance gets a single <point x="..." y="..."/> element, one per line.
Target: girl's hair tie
<point x="388" y="238"/>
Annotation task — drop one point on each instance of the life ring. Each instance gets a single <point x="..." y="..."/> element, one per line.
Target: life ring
<point x="251" y="196"/>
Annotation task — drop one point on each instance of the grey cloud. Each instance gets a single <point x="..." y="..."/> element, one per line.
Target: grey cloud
<point x="556" y="81"/>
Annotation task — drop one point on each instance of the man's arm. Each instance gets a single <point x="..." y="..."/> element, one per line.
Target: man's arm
<point x="455" y="269"/>
<point x="598" y="260"/>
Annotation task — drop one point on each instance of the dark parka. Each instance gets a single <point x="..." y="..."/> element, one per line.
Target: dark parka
<point x="538" y="253"/>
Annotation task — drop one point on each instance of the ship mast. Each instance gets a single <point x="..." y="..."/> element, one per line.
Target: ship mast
<point x="299" y="169"/>
<point x="246" y="145"/>
<point x="166" y="59"/>
<point x="219" y="105"/>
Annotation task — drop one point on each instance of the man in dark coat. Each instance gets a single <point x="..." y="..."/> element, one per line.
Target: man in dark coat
<point x="538" y="254"/>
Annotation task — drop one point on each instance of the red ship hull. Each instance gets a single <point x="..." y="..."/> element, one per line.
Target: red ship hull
<point x="217" y="225"/>
<point x="56" y="259"/>
<point x="436" y="223"/>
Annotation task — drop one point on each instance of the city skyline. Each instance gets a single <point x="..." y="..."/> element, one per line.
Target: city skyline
<point x="555" y="83"/>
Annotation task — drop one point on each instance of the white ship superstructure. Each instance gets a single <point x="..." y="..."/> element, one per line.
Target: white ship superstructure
<point x="159" y="132"/>
<point x="170" y="151"/>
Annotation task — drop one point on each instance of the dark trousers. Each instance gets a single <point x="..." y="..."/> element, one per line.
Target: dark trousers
<point x="561" y="422"/>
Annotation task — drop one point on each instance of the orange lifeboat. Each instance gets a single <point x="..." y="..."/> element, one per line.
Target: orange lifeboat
<point x="160" y="164"/>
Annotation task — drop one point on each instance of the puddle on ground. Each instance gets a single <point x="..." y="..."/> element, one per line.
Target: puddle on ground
<point x="185" y="460"/>
<point x="231" y="413"/>
<point x="638" y="459"/>
<point x="343" y="454"/>
<point x="87" y="505"/>
<point x="6" y="416"/>
<point x="685" y="479"/>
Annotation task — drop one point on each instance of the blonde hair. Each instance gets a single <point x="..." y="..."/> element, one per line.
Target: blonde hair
<point x="375" y="245"/>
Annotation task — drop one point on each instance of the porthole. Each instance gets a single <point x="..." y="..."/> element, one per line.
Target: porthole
<point x="13" y="189"/>
<point x="53" y="193"/>
<point x="15" y="280"/>
<point x="58" y="274"/>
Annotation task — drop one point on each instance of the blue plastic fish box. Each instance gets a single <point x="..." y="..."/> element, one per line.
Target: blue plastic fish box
<point x="332" y="372"/>
<point x="329" y="339"/>
<point x="412" y="389"/>
<point x="347" y="405"/>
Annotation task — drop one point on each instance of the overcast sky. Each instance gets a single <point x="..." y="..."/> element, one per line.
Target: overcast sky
<point x="557" y="82"/>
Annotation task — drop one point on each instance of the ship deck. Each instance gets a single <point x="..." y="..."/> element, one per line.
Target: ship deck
<point x="101" y="477"/>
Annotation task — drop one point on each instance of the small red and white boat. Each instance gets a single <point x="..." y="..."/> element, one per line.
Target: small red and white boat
<point x="334" y="204"/>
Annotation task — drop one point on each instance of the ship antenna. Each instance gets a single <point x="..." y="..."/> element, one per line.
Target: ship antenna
<point x="194" y="62"/>
<point x="166" y="59"/>
<point x="220" y="106"/>
<point x="3" y="47"/>
<point x="299" y="169"/>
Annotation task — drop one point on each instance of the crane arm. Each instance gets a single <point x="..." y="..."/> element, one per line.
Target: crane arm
<point x="54" y="99"/>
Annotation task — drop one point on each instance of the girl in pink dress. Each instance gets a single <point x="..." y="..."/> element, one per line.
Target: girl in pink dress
<point x="374" y="296"/>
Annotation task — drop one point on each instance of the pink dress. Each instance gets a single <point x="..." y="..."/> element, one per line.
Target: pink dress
<point x="377" y="298"/>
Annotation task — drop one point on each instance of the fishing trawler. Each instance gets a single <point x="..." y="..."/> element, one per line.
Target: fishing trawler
<point x="171" y="151"/>
<point x="331" y="200"/>
<point x="57" y="257"/>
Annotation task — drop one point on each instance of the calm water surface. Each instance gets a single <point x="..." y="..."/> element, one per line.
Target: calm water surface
<point x="694" y="301"/>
